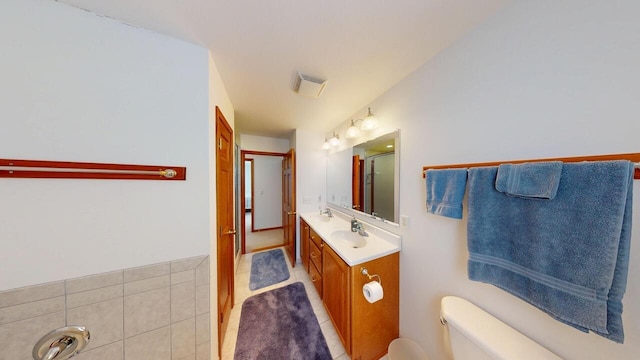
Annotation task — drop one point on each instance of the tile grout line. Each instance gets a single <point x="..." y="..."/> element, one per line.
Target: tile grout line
<point x="170" y="314"/>
<point x="37" y="316"/>
<point x="65" y="303"/>
<point x="195" y="317"/>
<point x="32" y="301"/>
<point x="123" y="336"/>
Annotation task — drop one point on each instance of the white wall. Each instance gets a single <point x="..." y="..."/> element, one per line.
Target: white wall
<point x="539" y="79"/>
<point x="261" y="143"/>
<point x="267" y="192"/>
<point x="78" y="87"/>
<point x="247" y="181"/>
<point x="311" y="174"/>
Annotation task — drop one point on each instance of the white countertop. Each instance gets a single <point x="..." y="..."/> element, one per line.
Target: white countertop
<point x="379" y="243"/>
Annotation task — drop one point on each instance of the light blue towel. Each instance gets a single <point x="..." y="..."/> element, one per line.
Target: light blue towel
<point x="568" y="256"/>
<point x="445" y="191"/>
<point x="530" y="180"/>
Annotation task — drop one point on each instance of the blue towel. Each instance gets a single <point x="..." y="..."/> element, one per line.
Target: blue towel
<point x="568" y="256"/>
<point x="445" y="191"/>
<point x="530" y="180"/>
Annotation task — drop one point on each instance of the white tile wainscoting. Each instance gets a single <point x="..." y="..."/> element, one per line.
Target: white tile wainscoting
<point x="154" y="312"/>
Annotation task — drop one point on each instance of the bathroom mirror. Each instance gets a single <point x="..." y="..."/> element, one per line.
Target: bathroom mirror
<point x="365" y="177"/>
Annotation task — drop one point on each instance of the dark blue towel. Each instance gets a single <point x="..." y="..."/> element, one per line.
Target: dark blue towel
<point x="568" y="256"/>
<point x="445" y="191"/>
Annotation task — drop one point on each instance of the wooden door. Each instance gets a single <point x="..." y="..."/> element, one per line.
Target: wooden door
<point x="356" y="183"/>
<point x="226" y="232"/>
<point x="371" y="187"/>
<point x="289" y="205"/>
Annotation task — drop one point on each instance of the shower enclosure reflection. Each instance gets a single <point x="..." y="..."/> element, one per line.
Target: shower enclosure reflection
<point x="377" y="185"/>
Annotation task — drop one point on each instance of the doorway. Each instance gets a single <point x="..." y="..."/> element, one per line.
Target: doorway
<point x="261" y="186"/>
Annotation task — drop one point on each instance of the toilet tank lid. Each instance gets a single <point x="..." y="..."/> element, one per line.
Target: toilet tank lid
<point x="496" y="338"/>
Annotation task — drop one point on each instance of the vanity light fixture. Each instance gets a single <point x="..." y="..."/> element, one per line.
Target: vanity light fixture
<point x="370" y="122"/>
<point x="353" y="131"/>
<point x="326" y="145"/>
<point x="334" y="140"/>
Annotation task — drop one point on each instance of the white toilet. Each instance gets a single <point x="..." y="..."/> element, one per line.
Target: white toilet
<point x="472" y="333"/>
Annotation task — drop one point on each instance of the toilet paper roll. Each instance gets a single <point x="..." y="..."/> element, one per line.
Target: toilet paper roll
<point x="372" y="291"/>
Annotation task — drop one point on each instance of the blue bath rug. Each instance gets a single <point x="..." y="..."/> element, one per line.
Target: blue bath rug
<point x="268" y="268"/>
<point x="280" y="324"/>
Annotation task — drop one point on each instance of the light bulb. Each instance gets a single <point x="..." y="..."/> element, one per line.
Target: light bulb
<point x="370" y="122"/>
<point x="352" y="131"/>
<point x="335" y="140"/>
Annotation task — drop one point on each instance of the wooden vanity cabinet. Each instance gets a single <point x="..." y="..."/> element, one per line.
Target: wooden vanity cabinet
<point x="365" y="329"/>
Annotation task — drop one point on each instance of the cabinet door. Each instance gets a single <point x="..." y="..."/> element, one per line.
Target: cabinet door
<point x="374" y="326"/>
<point x="316" y="278"/>
<point x="335" y="292"/>
<point x="304" y="244"/>
<point x="315" y="238"/>
<point x="315" y="256"/>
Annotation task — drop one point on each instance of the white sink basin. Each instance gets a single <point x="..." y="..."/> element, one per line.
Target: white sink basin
<point x="353" y="239"/>
<point x="321" y="218"/>
<point x="353" y="248"/>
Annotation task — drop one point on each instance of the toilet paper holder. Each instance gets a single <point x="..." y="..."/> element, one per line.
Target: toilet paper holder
<point x="365" y="272"/>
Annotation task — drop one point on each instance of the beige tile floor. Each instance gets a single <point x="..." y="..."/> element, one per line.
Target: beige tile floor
<point x="242" y="292"/>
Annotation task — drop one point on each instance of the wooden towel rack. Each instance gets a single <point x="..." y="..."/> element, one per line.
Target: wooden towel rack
<point x="37" y="169"/>
<point x="633" y="157"/>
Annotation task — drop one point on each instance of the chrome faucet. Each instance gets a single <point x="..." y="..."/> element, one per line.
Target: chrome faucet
<point x="358" y="226"/>
<point x="326" y="211"/>
<point x="61" y="344"/>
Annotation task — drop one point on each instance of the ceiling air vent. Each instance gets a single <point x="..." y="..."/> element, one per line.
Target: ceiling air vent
<point x="309" y="86"/>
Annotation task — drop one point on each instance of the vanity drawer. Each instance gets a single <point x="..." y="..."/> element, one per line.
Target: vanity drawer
<point x="315" y="238"/>
<point x="315" y="255"/>
<point x="316" y="278"/>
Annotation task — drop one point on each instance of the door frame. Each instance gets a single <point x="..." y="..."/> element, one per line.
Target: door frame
<point x="253" y="193"/>
<point x="243" y="155"/>
<point x="291" y="213"/>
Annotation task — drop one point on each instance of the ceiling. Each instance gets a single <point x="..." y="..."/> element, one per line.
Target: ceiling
<point x="362" y="47"/>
